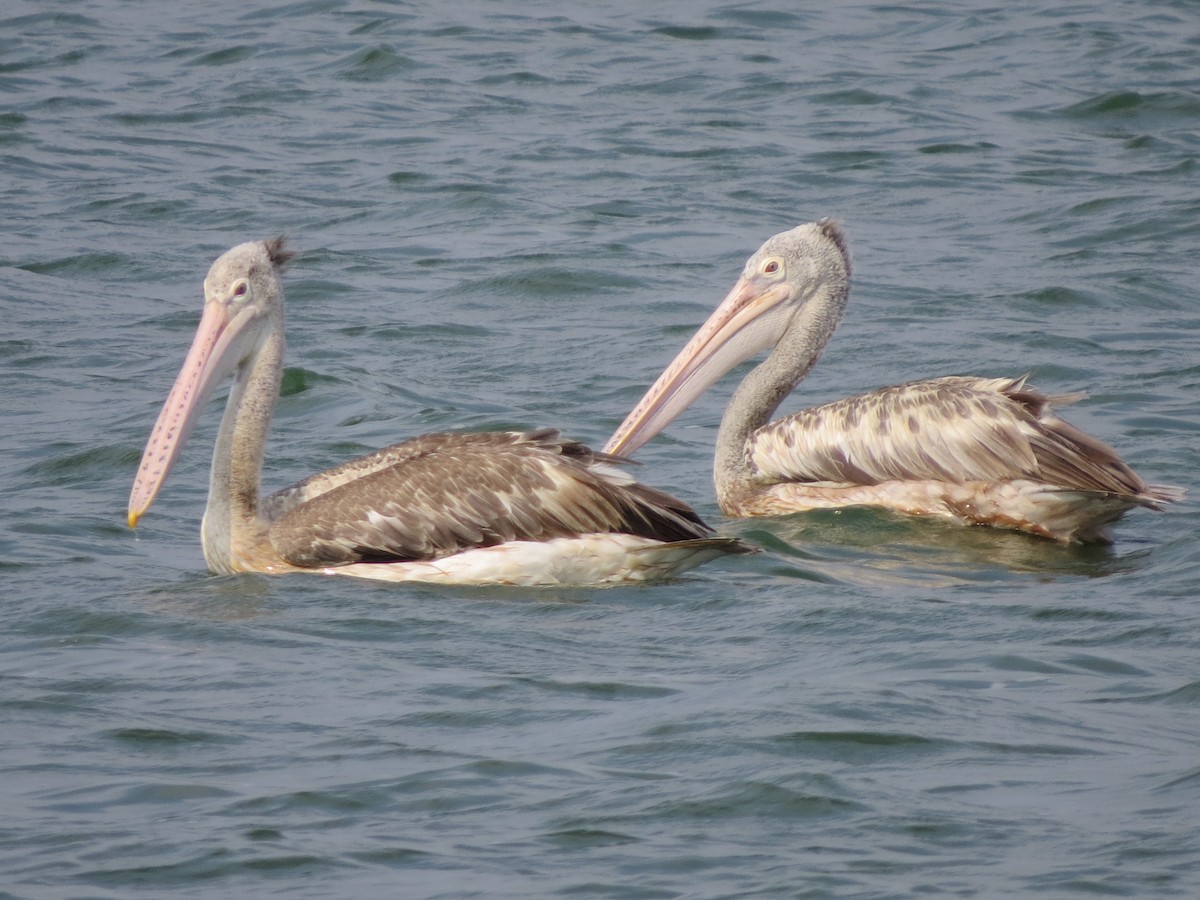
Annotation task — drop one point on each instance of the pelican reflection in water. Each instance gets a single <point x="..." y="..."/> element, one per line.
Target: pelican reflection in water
<point x="987" y="451"/>
<point x="497" y="507"/>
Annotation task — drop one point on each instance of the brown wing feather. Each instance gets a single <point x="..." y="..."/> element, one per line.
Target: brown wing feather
<point x="954" y="429"/>
<point x="443" y="493"/>
<point x="276" y="504"/>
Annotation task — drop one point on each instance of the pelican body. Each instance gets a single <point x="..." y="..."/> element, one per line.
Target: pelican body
<point x="489" y="508"/>
<point x="987" y="451"/>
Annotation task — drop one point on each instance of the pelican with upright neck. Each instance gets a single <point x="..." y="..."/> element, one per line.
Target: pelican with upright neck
<point x="487" y="508"/>
<point x="979" y="450"/>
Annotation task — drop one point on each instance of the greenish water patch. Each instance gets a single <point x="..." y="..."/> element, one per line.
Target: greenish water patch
<point x="298" y="380"/>
<point x="86" y="264"/>
<point x="1056" y="296"/>
<point x="84" y="466"/>
<point x="1117" y="103"/>
<point x="158" y="737"/>
<point x="690" y="33"/>
<point x="853" y="97"/>
<point x="584" y="838"/>
<point x="951" y="148"/>
<point x="380" y="63"/>
<point x="225" y="56"/>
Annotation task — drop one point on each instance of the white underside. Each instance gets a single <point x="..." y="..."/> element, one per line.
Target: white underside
<point x="1057" y="513"/>
<point x="592" y="559"/>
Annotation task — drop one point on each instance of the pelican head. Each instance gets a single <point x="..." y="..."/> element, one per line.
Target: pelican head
<point x="788" y="299"/>
<point x="243" y="305"/>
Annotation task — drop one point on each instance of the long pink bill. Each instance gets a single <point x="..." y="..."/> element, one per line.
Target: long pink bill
<point x="738" y="329"/>
<point x="208" y="361"/>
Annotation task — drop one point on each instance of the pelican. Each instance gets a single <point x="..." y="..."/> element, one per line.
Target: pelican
<point x="987" y="451"/>
<point x="491" y="508"/>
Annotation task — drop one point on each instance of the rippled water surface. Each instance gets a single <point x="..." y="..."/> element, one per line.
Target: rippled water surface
<point x="512" y="215"/>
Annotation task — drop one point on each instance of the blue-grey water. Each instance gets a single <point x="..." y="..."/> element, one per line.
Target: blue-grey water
<point x="513" y="215"/>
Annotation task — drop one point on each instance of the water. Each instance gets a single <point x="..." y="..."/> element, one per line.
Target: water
<point x="513" y="215"/>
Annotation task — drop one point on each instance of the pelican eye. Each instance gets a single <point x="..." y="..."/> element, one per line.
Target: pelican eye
<point x="240" y="290"/>
<point x="771" y="267"/>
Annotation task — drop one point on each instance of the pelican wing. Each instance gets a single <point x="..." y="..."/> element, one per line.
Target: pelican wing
<point x="276" y="504"/>
<point x="955" y="429"/>
<point x="439" y="494"/>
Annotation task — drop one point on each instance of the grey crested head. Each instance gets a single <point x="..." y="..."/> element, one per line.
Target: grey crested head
<point x="258" y="263"/>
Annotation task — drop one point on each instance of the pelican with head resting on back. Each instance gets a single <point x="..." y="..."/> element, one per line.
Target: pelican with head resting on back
<point x="986" y="451"/>
<point x="490" y="508"/>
